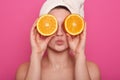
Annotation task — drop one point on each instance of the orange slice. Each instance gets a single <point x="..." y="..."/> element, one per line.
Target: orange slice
<point x="47" y="25"/>
<point x="74" y="24"/>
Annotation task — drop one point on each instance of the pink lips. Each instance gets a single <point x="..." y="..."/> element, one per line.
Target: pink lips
<point x="59" y="42"/>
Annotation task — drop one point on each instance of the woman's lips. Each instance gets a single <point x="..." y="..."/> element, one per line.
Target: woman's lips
<point x="59" y="42"/>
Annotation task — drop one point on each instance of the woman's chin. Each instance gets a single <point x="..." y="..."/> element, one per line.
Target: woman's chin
<point x="59" y="49"/>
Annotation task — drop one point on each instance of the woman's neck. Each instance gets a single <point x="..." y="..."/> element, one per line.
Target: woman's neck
<point x="59" y="58"/>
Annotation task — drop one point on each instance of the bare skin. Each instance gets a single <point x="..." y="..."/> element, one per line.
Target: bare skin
<point x="58" y="64"/>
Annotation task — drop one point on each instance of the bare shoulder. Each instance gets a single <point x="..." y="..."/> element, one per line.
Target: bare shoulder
<point x="21" y="71"/>
<point x="94" y="70"/>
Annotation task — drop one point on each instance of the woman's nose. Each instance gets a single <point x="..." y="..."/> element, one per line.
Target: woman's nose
<point x="60" y="31"/>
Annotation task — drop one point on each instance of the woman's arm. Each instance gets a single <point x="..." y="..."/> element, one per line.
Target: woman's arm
<point x="31" y="70"/>
<point x="38" y="46"/>
<point x="86" y="70"/>
<point x="81" y="68"/>
<point x="34" y="70"/>
<point x="77" y="45"/>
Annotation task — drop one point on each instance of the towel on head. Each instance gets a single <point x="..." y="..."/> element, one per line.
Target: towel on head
<point x="74" y="6"/>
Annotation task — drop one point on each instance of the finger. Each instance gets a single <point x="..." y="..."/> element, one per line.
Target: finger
<point x="38" y="38"/>
<point x="85" y="28"/>
<point x="33" y="33"/>
<point x="69" y="38"/>
<point x="85" y="31"/>
<point x="49" y="38"/>
<point x="36" y="34"/>
<point x="34" y="27"/>
<point x="76" y="37"/>
<point x="83" y="34"/>
<point x="35" y="23"/>
<point x="43" y="37"/>
<point x="85" y="25"/>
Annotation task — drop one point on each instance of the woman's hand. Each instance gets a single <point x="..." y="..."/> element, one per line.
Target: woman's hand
<point x="77" y="43"/>
<point x="38" y="42"/>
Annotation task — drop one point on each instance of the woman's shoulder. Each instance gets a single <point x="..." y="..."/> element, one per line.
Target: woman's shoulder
<point x="93" y="69"/>
<point x="21" y="71"/>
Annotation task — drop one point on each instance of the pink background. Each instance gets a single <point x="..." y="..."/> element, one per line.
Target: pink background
<point x="103" y="38"/>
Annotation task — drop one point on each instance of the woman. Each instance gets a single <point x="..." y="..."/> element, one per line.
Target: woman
<point x="65" y="58"/>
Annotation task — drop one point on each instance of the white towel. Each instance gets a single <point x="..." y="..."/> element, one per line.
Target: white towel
<point x="75" y="6"/>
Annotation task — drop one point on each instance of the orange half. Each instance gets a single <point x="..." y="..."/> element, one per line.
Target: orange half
<point x="74" y="24"/>
<point x="47" y="25"/>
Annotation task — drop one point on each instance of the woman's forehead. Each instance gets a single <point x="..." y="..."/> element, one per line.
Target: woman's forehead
<point x="60" y="11"/>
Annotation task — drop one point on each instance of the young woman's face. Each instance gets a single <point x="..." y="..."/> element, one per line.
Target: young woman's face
<point x="59" y="42"/>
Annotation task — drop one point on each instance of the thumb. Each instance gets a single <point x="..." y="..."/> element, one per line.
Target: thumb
<point x="69" y="38"/>
<point x="49" y="38"/>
